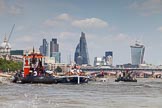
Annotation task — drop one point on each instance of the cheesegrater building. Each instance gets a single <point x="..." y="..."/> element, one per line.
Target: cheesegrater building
<point x="81" y="52"/>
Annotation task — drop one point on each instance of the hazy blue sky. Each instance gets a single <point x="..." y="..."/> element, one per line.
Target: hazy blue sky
<point x="109" y="25"/>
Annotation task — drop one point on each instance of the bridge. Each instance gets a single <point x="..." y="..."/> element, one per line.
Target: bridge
<point x="154" y="72"/>
<point x="89" y="69"/>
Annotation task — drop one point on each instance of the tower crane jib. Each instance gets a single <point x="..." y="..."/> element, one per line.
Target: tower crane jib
<point x="11" y="33"/>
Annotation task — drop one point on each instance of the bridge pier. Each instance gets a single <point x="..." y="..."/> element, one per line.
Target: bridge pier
<point x="78" y="79"/>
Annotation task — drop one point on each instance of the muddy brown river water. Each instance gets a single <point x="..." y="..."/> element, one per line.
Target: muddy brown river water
<point x="146" y="93"/>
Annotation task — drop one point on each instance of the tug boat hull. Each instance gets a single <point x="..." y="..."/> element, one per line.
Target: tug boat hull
<point x="39" y="79"/>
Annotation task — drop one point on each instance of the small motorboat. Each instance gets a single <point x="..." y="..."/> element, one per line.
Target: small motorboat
<point x="74" y="76"/>
<point x="126" y="79"/>
<point x="72" y="79"/>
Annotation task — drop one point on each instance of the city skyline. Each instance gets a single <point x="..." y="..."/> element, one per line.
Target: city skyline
<point x="109" y="25"/>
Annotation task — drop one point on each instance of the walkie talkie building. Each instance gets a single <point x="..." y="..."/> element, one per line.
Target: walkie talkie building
<point x="137" y="53"/>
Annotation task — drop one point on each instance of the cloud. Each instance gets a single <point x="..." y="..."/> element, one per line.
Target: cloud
<point x="121" y="37"/>
<point x="66" y="19"/>
<point x="59" y="20"/>
<point x="160" y="29"/>
<point x="147" y="7"/>
<point x="19" y="28"/>
<point x="2" y="6"/>
<point x="51" y="22"/>
<point x="90" y="23"/>
<point x="67" y="35"/>
<point x="15" y="10"/>
<point x="26" y="42"/>
<point x="26" y="38"/>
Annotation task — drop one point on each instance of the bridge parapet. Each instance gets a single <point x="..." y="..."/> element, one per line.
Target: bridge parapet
<point x="120" y="69"/>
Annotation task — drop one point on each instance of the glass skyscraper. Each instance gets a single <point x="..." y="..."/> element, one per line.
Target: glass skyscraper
<point x="57" y="56"/>
<point x="137" y="53"/>
<point x="54" y="50"/>
<point x="44" y="48"/>
<point x="109" y="57"/>
<point x="81" y="52"/>
<point x="51" y="51"/>
<point x="77" y="53"/>
<point x="54" y="46"/>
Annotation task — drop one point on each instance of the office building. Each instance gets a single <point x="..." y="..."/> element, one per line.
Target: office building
<point x="137" y="53"/>
<point x="41" y="49"/>
<point x="81" y="53"/>
<point x="51" y="50"/>
<point x="17" y="52"/>
<point x="97" y="61"/>
<point x="54" y="46"/>
<point x="54" y="50"/>
<point x="44" y="48"/>
<point x="77" y="54"/>
<point x="57" y="56"/>
<point x="109" y="58"/>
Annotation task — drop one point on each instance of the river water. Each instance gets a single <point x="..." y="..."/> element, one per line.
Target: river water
<point x="146" y="93"/>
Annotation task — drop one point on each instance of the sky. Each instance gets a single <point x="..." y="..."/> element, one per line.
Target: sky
<point x="109" y="25"/>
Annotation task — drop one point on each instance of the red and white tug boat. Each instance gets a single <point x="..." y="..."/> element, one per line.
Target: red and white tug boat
<point x="34" y="71"/>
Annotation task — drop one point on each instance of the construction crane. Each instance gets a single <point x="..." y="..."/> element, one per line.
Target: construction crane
<point x="11" y="33"/>
<point x="7" y="40"/>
